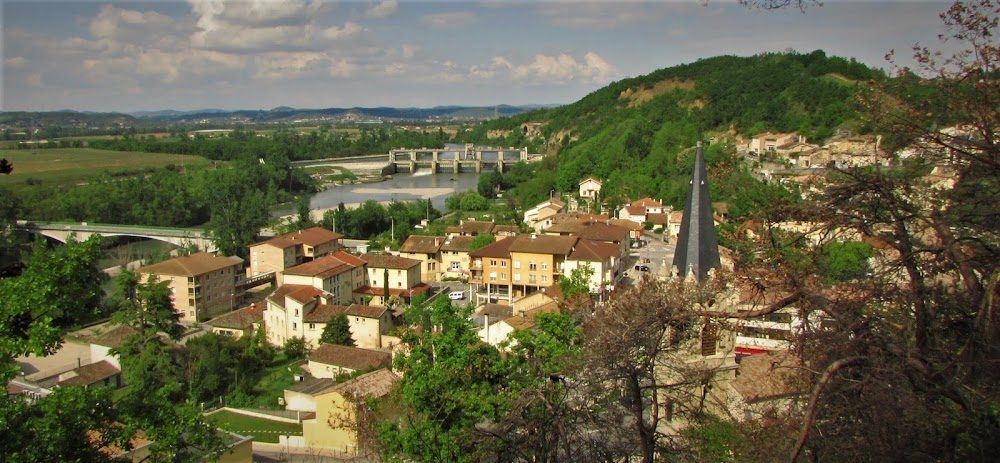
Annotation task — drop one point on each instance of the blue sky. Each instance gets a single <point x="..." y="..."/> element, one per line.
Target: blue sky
<point x="259" y="54"/>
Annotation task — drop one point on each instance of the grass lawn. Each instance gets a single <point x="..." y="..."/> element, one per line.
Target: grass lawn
<point x="49" y="168"/>
<point x="274" y="381"/>
<point x="261" y="429"/>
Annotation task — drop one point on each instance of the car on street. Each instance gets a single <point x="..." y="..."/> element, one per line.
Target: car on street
<point x="642" y="268"/>
<point x="456" y="295"/>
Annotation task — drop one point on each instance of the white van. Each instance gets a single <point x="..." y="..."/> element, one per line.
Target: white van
<point x="456" y="295"/>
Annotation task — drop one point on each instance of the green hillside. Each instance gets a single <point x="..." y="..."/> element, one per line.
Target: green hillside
<point x="636" y="134"/>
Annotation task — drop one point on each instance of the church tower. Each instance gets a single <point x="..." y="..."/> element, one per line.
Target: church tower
<point x="697" y="249"/>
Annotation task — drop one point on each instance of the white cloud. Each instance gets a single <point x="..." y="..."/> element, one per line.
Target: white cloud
<point x="382" y="9"/>
<point x="265" y="25"/>
<point x="561" y="68"/>
<point x="452" y="19"/>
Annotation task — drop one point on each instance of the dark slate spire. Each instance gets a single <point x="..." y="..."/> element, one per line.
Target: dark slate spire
<point x="697" y="248"/>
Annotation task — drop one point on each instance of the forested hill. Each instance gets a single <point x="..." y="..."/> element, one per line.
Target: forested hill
<point x="634" y="132"/>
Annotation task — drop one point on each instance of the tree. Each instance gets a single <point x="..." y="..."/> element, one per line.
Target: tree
<point x="481" y="240"/>
<point x="578" y="283"/>
<point x="918" y="338"/>
<point x="6" y="167"/>
<point x="10" y="209"/>
<point x="473" y="201"/>
<point x="58" y="287"/>
<point x="488" y="183"/>
<point x="337" y="331"/>
<point x="450" y="384"/>
<point x="239" y="211"/>
<point x="305" y="219"/>
<point x="296" y="348"/>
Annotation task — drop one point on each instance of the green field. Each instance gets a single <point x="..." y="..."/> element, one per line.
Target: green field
<point x="72" y="166"/>
<point x="261" y="429"/>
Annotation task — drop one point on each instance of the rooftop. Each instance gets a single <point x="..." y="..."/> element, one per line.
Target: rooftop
<point x="389" y="261"/>
<point x="354" y="358"/>
<point x="421" y="244"/>
<point x="542" y="244"/>
<point x="322" y="267"/>
<point x="375" y="384"/>
<point x="240" y="319"/>
<point x="314" y="236"/>
<point x="195" y="264"/>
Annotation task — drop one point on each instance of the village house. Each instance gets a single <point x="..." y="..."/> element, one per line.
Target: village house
<point x="490" y="272"/>
<point x="400" y="273"/>
<point x="767" y="141"/>
<point x="424" y="249"/>
<point x="299" y="311"/>
<point x="331" y="360"/>
<point x="602" y="258"/>
<point x="539" y="217"/>
<point x="500" y="331"/>
<point x="537" y="261"/>
<point x="470" y="228"/>
<point x="590" y="188"/>
<point x="339" y="274"/>
<point x="337" y="421"/>
<point x="290" y="249"/>
<point x="200" y="283"/>
<point x="239" y="323"/>
<point x="455" y="256"/>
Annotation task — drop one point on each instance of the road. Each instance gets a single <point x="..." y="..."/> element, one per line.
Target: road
<point x="658" y="253"/>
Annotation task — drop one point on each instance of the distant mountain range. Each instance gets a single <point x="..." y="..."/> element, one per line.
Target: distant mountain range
<point x="281" y="114"/>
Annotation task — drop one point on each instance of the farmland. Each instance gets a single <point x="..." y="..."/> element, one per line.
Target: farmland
<point x="72" y="166"/>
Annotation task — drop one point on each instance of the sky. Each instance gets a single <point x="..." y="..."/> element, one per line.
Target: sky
<point x="261" y="54"/>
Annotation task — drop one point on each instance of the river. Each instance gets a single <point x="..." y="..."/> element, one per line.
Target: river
<point x="401" y="187"/>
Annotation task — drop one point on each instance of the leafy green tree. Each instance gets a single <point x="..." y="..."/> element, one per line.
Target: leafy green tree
<point x="295" y="348"/>
<point x="337" y="331"/>
<point x="473" y="201"/>
<point x="10" y="209"/>
<point x="70" y="424"/>
<point x="844" y="261"/>
<point x="450" y="384"/>
<point x="482" y="240"/>
<point x="239" y="211"/>
<point x="211" y="365"/>
<point x="58" y="287"/>
<point x="578" y="283"/>
<point x="488" y="183"/>
<point x="305" y="219"/>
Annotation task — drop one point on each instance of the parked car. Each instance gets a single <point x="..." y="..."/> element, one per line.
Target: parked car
<point x="456" y="295"/>
<point x="642" y="268"/>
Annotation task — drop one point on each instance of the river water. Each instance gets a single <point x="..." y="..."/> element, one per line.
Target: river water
<point x="401" y="187"/>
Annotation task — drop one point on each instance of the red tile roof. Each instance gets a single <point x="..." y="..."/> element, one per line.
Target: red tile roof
<point x="314" y="236"/>
<point x="766" y="376"/>
<point x="421" y="244"/>
<point x="594" y="251"/>
<point x="600" y="231"/>
<point x="91" y="374"/>
<point x="240" y="319"/>
<point x="543" y="244"/>
<point x="323" y="312"/>
<point x="322" y="267"/>
<point x="646" y="202"/>
<point x="501" y="248"/>
<point x="299" y="293"/>
<point x="389" y="261"/>
<point x="354" y="358"/>
<point x="195" y="264"/>
<point x="457" y="243"/>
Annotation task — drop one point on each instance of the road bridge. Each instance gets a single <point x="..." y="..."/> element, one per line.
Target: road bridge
<point x="445" y="160"/>
<point x="61" y="231"/>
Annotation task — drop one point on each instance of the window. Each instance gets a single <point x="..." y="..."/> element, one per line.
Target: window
<point x="517" y="264"/>
<point x="312" y="326"/>
<point x="532" y="266"/>
<point x="296" y="312"/>
<point x="503" y="263"/>
<point x="709" y="338"/>
<point x="545" y="265"/>
<point x="545" y="278"/>
<point x="493" y="263"/>
<point x="399" y="272"/>
<point x="531" y="279"/>
<point x="493" y="276"/>
<point x="517" y="277"/>
<point x="295" y="326"/>
<point x="503" y="276"/>
<point x="456" y="266"/>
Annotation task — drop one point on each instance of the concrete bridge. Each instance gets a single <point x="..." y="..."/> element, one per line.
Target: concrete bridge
<point x="61" y="231"/>
<point x="469" y="159"/>
<point x="446" y="160"/>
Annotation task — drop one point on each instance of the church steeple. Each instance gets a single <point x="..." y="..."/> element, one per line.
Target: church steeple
<point x="697" y="249"/>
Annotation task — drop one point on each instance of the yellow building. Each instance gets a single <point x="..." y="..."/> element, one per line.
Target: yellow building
<point x="337" y="411"/>
<point x="490" y="269"/>
<point x="537" y="261"/>
<point x="424" y="249"/>
<point x="339" y="274"/>
<point x="239" y="323"/>
<point x="200" y="284"/>
<point x="403" y="278"/>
